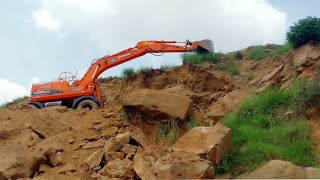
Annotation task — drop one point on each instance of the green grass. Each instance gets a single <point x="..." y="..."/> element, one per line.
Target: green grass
<point x="262" y="132"/>
<point x="169" y="131"/>
<point x="164" y="67"/>
<point x="192" y="123"/>
<point x="193" y="58"/>
<point x="257" y="53"/>
<point x="230" y="66"/>
<point x="127" y="73"/>
<point x="144" y="69"/>
<point x="14" y="101"/>
<point x="282" y="50"/>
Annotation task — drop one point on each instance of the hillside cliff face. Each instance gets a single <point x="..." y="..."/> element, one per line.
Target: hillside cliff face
<point x="126" y="141"/>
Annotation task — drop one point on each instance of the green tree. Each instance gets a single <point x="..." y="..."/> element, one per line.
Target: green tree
<point x="303" y="31"/>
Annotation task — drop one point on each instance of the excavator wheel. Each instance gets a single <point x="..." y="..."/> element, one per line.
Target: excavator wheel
<point x="87" y="104"/>
<point x="32" y="106"/>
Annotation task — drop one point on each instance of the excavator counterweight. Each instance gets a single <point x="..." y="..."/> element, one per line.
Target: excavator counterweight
<point x="86" y="93"/>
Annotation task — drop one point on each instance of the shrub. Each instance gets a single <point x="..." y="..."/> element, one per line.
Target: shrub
<point x="257" y="53"/>
<point x="307" y="95"/>
<point x="169" y="131"/>
<point x="163" y="67"/>
<point x="230" y="66"/>
<point x="127" y="73"/>
<point x="192" y="123"/>
<point x="238" y="55"/>
<point x="303" y="31"/>
<point x="261" y="132"/>
<point x="144" y="69"/>
<point x="193" y="58"/>
<point x="282" y="50"/>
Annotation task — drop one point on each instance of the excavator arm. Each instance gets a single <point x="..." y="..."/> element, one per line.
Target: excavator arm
<point x="142" y="48"/>
<point x="85" y="93"/>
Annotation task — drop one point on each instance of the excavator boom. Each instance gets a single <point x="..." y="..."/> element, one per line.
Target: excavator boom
<point x="85" y="93"/>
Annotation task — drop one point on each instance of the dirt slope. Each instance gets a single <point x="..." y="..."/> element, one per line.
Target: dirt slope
<point x="59" y="143"/>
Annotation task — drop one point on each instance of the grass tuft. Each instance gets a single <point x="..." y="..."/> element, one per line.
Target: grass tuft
<point x="144" y="69"/>
<point x="193" y="58"/>
<point x="261" y="132"/>
<point x="257" y="53"/>
<point x="192" y="123"/>
<point x="164" y="67"/>
<point x="169" y="131"/>
<point x="282" y="50"/>
<point x="230" y="66"/>
<point x="127" y="73"/>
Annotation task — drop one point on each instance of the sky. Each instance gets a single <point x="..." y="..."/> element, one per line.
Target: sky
<point x="39" y="39"/>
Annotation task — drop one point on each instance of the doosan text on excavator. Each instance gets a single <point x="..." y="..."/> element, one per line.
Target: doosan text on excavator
<point x="85" y="93"/>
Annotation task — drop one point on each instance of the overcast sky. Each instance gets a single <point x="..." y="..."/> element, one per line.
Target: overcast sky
<point x="41" y="38"/>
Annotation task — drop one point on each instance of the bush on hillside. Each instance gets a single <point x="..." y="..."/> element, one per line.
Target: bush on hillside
<point x="194" y="58"/>
<point x="282" y="50"/>
<point x="257" y="53"/>
<point x="127" y="73"/>
<point x="238" y="55"/>
<point x="303" y="31"/>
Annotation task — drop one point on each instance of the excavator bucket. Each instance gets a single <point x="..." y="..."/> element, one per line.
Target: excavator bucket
<point x="204" y="46"/>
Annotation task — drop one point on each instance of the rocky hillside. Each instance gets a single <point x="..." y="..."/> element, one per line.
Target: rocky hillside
<point x="158" y="124"/>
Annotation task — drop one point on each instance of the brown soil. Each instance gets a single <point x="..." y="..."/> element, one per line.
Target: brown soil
<point x="25" y="133"/>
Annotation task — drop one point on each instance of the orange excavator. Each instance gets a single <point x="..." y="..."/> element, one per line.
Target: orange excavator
<point x="85" y="93"/>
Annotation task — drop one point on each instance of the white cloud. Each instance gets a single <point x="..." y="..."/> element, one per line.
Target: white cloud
<point x="10" y="90"/>
<point x="43" y="18"/>
<point x="116" y="24"/>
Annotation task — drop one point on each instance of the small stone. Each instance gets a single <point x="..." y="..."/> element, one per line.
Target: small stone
<point x="92" y="138"/>
<point x="97" y="122"/>
<point x="96" y="168"/>
<point x="117" y="142"/>
<point x="34" y="136"/>
<point x="94" y="144"/>
<point x="95" y="159"/>
<point x="56" y="159"/>
<point x="109" y="132"/>
<point x="109" y="156"/>
<point x="83" y="143"/>
<point x="44" y="167"/>
<point x="71" y="140"/>
<point x="109" y="115"/>
<point x="130" y="156"/>
<point x="100" y="127"/>
<point x="67" y="168"/>
<point x="129" y="149"/>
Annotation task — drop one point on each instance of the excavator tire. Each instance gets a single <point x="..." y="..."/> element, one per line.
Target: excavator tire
<point x="87" y="104"/>
<point x="32" y="106"/>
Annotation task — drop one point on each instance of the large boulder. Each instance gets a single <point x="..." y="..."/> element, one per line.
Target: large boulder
<point x="143" y="167"/>
<point x="306" y="55"/>
<point x="159" y="104"/>
<point x="117" y="142"/>
<point x="120" y="169"/>
<point x="227" y="103"/>
<point x="46" y="125"/>
<point x="278" y="169"/>
<point x="173" y="165"/>
<point x="17" y="161"/>
<point x="210" y="142"/>
<point x="183" y="165"/>
<point x="95" y="159"/>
